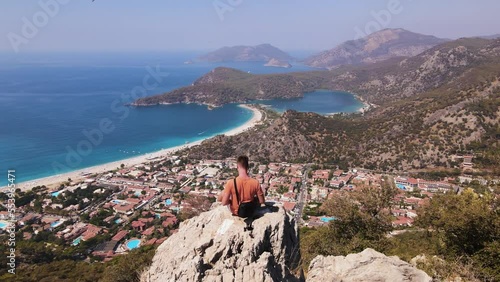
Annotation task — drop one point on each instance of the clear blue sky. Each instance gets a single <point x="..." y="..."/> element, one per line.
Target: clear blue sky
<point x="122" y="25"/>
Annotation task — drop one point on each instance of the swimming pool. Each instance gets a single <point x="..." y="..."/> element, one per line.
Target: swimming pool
<point x="56" y="223"/>
<point x="119" y="220"/>
<point x="401" y="186"/>
<point x="326" y="218"/>
<point x="168" y="202"/>
<point x="55" y="194"/>
<point x="132" y="244"/>
<point x="77" y="241"/>
<point x="3" y="225"/>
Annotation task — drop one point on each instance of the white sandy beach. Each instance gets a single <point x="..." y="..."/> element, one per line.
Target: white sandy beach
<point x="56" y="180"/>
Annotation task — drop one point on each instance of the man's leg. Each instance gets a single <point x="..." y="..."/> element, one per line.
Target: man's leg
<point x="250" y="219"/>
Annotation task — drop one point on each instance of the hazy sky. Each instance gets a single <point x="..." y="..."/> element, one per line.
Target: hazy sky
<point x="109" y="25"/>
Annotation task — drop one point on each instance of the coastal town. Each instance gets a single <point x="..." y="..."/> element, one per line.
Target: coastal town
<point x="109" y="214"/>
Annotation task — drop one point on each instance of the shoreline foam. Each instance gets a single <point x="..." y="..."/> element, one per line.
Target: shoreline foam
<point x="76" y="175"/>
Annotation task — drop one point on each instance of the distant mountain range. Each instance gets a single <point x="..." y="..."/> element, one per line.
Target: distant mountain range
<point x="259" y="53"/>
<point x="494" y="36"/>
<point x="378" y="46"/>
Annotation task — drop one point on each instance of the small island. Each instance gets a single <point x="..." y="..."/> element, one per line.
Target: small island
<point x="258" y="53"/>
<point x="278" y="63"/>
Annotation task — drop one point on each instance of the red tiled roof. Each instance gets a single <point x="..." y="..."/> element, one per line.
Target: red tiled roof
<point x="289" y="206"/>
<point x="161" y="240"/>
<point x="133" y="200"/>
<point x="169" y="221"/>
<point x="125" y="208"/>
<point x="402" y="220"/>
<point x="119" y="235"/>
<point x="167" y="214"/>
<point x="146" y="213"/>
<point x="146" y="220"/>
<point x="91" y="232"/>
<point x="138" y="224"/>
<point x="412" y="181"/>
<point x="151" y="241"/>
<point x="148" y="231"/>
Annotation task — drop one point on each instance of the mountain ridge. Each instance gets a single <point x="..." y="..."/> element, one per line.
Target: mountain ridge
<point x="376" y="47"/>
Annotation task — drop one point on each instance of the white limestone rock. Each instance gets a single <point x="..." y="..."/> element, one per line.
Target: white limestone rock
<point x="214" y="247"/>
<point x="368" y="265"/>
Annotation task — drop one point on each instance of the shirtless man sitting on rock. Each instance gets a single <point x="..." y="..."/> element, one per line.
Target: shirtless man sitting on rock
<point x="243" y="193"/>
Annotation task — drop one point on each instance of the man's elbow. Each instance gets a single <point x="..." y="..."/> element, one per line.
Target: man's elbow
<point x="224" y="199"/>
<point x="262" y="200"/>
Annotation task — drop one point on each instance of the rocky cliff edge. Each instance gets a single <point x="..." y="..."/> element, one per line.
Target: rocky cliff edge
<point x="215" y="247"/>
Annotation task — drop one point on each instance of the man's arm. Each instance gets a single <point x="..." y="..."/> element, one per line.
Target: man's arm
<point x="224" y="197"/>
<point x="260" y="195"/>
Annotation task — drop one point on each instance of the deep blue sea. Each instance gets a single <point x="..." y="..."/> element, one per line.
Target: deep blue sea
<point x="50" y="103"/>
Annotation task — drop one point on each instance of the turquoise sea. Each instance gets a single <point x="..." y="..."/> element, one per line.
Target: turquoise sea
<point x="54" y="104"/>
<point x="323" y="102"/>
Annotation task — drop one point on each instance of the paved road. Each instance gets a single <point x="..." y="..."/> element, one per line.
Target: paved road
<point x="301" y="200"/>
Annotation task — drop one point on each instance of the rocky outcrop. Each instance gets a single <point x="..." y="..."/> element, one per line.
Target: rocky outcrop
<point x="215" y="247"/>
<point x="368" y="265"/>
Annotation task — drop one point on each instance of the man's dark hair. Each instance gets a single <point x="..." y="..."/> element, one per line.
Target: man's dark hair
<point x="243" y="161"/>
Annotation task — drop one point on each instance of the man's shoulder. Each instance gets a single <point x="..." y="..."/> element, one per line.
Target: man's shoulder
<point x="246" y="181"/>
<point x="229" y="183"/>
<point x="254" y="181"/>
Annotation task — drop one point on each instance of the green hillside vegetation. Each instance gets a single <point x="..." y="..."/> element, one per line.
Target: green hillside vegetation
<point x="225" y="85"/>
<point x="54" y="265"/>
<point x="457" y="234"/>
